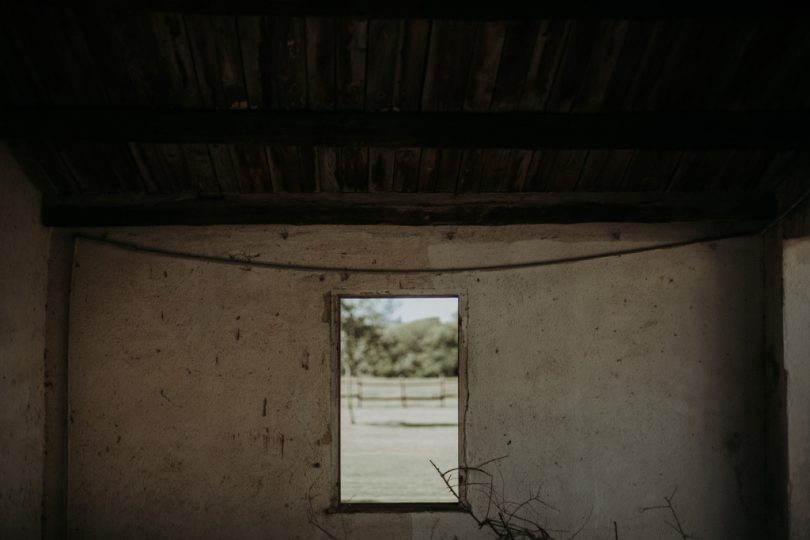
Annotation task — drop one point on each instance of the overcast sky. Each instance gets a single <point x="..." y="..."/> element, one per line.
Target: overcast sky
<point x="412" y="309"/>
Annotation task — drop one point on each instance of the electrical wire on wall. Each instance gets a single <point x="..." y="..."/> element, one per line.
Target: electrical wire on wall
<point x="243" y="262"/>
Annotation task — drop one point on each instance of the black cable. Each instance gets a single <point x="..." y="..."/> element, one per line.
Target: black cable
<point x="441" y="270"/>
<point x="447" y="270"/>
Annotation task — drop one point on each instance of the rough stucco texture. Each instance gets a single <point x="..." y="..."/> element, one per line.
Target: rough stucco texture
<point x="796" y="264"/>
<point x="608" y="383"/>
<point x="23" y="280"/>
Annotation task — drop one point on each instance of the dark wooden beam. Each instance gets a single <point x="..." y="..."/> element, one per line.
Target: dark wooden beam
<point x="461" y="9"/>
<point x="399" y="130"/>
<point x="406" y="209"/>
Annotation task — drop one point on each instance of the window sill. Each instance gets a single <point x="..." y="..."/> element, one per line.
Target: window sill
<point x="396" y="508"/>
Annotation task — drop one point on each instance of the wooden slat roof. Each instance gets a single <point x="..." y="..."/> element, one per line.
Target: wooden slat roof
<point x="119" y="66"/>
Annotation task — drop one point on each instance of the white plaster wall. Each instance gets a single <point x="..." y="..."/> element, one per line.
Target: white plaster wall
<point x="23" y="280"/>
<point x="796" y="262"/>
<point x="608" y="383"/>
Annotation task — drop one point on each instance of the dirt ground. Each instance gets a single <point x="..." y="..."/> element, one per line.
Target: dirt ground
<point x="385" y="454"/>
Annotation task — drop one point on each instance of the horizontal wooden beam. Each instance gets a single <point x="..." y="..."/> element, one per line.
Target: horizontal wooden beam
<point x="438" y="130"/>
<point x="461" y="9"/>
<point x="405" y="209"/>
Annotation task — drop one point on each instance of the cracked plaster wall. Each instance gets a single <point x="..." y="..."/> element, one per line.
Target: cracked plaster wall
<point x="608" y="383"/>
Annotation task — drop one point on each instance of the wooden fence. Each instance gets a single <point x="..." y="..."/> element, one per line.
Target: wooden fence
<point x="360" y="389"/>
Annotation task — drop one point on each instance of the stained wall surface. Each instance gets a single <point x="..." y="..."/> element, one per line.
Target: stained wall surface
<point x="200" y="392"/>
<point x="796" y="262"/>
<point x="23" y="280"/>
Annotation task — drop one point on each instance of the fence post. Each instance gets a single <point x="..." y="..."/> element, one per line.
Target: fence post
<point x="359" y="392"/>
<point x="403" y="396"/>
<point x="350" y="401"/>
<point x="441" y="389"/>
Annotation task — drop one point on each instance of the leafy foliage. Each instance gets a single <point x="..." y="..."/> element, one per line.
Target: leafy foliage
<point x="373" y="344"/>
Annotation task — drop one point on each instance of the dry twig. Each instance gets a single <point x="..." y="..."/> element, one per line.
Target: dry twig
<point x="677" y="526"/>
<point x="507" y="520"/>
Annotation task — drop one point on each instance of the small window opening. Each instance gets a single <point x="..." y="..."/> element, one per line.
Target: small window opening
<point x="399" y="398"/>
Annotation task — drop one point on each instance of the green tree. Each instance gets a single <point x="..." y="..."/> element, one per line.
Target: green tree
<point x="423" y="348"/>
<point x="372" y="343"/>
<point x="362" y="321"/>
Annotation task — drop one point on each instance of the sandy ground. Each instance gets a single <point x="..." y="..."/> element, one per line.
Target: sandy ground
<point x="385" y="454"/>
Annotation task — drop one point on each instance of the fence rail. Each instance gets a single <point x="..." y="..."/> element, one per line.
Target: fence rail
<point x="358" y="390"/>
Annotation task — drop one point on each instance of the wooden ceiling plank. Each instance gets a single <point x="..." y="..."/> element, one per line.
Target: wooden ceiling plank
<point x="566" y="172"/>
<point x="651" y="170"/>
<point x="406" y="169"/>
<point x="307" y="158"/>
<point x="352" y="41"/>
<point x="31" y="38"/>
<point x="699" y="170"/>
<point x="252" y="162"/>
<point x="203" y="48"/>
<point x="744" y="170"/>
<point x="18" y="84"/>
<point x="469" y="9"/>
<point x="498" y="171"/>
<point x="94" y="167"/>
<point x="257" y="55"/>
<point x="544" y="63"/>
<point x="485" y="57"/>
<point x="591" y="170"/>
<point x="448" y="55"/>
<point x="789" y="85"/>
<point x="224" y="168"/>
<point x="539" y="168"/>
<point x="781" y="166"/>
<point x="107" y="35"/>
<point x="123" y="165"/>
<point x="686" y="54"/>
<point x="326" y="169"/>
<point x="353" y="169"/>
<point x="601" y="66"/>
<point x="321" y="56"/>
<point x="78" y="168"/>
<point x="71" y="51"/>
<point x="176" y="167"/>
<point x="703" y="60"/>
<point x="515" y="62"/>
<point x="169" y="68"/>
<point x="469" y="176"/>
<point x="739" y="38"/>
<point x="141" y="156"/>
<point x="383" y="46"/>
<point x="46" y="163"/>
<point x="628" y="63"/>
<point x="285" y="167"/>
<point x="201" y="173"/>
<point x="287" y="61"/>
<point x="215" y="47"/>
<point x="449" y="162"/>
<point x="141" y="58"/>
<point x="381" y="169"/>
<point x="522" y="160"/>
<point x="580" y="41"/>
<point x="637" y="95"/>
<point x="411" y="60"/>
<point x="756" y="61"/>
<point x="609" y="176"/>
<point x="428" y="169"/>
<point x="532" y="170"/>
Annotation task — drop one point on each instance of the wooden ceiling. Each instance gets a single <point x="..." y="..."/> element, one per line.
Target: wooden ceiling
<point x="213" y="102"/>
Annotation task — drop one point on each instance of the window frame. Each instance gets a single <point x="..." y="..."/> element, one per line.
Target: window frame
<point x="463" y="396"/>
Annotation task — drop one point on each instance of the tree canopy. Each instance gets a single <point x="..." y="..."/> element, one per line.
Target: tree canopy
<point x="372" y="343"/>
